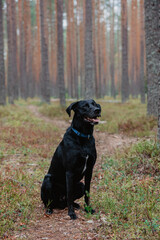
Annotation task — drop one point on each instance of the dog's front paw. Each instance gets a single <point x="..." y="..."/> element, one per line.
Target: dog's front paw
<point x="72" y="215"/>
<point x="49" y="211"/>
<point x="89" y="209"/>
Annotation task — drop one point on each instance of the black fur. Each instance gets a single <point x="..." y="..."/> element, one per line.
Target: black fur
<point x="73" y="159"/>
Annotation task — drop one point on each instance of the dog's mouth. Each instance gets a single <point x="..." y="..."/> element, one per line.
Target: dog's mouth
<point x="94" y="120"/>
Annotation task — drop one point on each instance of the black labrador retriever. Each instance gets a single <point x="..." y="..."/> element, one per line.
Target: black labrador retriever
<point x="73" y="159"/>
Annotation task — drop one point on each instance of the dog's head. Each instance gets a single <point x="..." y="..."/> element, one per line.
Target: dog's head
<point x="86" y="110"/>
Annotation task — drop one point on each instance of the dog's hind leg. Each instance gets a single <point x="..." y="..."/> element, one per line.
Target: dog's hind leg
<point x="47" y="193"/>
<point x="78" y="193"/>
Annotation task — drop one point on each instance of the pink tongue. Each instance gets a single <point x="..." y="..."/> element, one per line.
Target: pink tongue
<point x="94" y="120"/>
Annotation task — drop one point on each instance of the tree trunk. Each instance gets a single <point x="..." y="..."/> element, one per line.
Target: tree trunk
<point x="2" y="70"/>
<point x="152" y="54"/>
<point x="45" y="83"/>
<point x="69" y="50"/>
<point x="28" y="49"/>
<point x="158" y="132"/>
<point x="76" y="55"/>
<point x="112" y="50"/>
<point x="157" y="70"/>
<point x="22" y="54"/>
<point x="134" y="47"/>
<point x="89" y="84"/>
<point x="38" y="44"/>
<point x="10" y="79"/>
<point x="142" y="82"/>
<point x="60" y="54"/>
<point x="82" y="47"/>
<point x="14" y="47"/>
<point x="125" y="80"/>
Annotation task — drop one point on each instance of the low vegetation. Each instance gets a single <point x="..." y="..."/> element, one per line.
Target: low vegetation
<point x="26" y="146"/>
<point x="129" y="193"/>
<point x="129" y="118"/>
<point x="127" y="196"/>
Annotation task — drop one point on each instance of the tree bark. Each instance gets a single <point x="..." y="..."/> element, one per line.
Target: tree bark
<point x="60" y="54"/>
<point x="89" y="84"/>
<point x="158" y="132"/>
<point x="152" y="16"/>
<point x="14" y="47"/>
<point x="22" y="53"/>
<point x="45" y="82"/>
<point x="10" y="79"/>
<point x="133" y="49"/>
<point x="142" y="35"/>
<point x="2" y="68"/>
<point x="28" y="50"/>
<point x="112" y="52"/>
<point x="125" y="80"/>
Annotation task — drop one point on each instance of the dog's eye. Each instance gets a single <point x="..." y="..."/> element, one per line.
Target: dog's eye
<point x="87" y="105"/>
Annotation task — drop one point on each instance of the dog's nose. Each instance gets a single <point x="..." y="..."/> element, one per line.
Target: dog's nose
<point x="97" y="111"/>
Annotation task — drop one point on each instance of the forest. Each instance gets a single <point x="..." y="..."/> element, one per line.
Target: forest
<point x="53" y="53"/>
<point x="73" y="48"/>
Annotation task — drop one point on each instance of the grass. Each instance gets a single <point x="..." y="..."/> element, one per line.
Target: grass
<point x="17" y="196"/>
<point x="127" y="197"/>
<point x="129" y="118"/>
<point x="26" y="146"/>
<point x="53" y="111"/>
<point x="129" y="194"/>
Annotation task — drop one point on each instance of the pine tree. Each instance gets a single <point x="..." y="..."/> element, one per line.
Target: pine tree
<point x="152" y="54"/>
<point x="45" y="82"/>
<point x="60" y="54"/>
<point x="142" y="38"/>
<point x="124" y="34"/>
<point x="11" y="63"/>
<point x="2" y="69"/>
<point x="112" y="52"/>
<point x="89" y="85"/>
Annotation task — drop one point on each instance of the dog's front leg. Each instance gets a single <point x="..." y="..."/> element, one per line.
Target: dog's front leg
<point x="88" y="177"/>
<point x="69" y="185"/>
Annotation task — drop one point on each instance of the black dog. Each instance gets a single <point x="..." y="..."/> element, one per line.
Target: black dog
<point x="73" y="159"/>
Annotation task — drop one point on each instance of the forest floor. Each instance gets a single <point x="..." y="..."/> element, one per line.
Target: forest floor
<point x="125" y="183"/>
<point x="58" y="225"/>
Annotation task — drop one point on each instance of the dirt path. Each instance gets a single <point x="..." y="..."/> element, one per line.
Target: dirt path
<point x="59" y="226"/>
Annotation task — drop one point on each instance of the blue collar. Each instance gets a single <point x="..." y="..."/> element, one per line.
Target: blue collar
<point x="81" y="134"/>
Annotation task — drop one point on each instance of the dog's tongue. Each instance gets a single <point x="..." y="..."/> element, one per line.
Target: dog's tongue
<point x="93" y="119"/>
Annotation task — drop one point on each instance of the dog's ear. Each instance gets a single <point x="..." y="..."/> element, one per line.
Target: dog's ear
<point x="71" y="107"/>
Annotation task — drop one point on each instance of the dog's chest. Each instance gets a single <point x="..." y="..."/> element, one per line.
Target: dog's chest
<point x="85" y="157"/>
<point x="85" y="164"/>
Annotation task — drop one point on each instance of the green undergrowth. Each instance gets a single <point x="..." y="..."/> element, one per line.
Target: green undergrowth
<point x="54" y="111"/>
<point x="26" y="146"/>
<point x="129" y="118"/>
<point x="18" y="198"/>
<point x="17" y="115"/>
<point x="128" y="197"/>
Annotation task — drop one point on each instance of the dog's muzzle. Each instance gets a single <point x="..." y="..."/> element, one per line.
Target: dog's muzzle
<point x="95" y="118"/>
